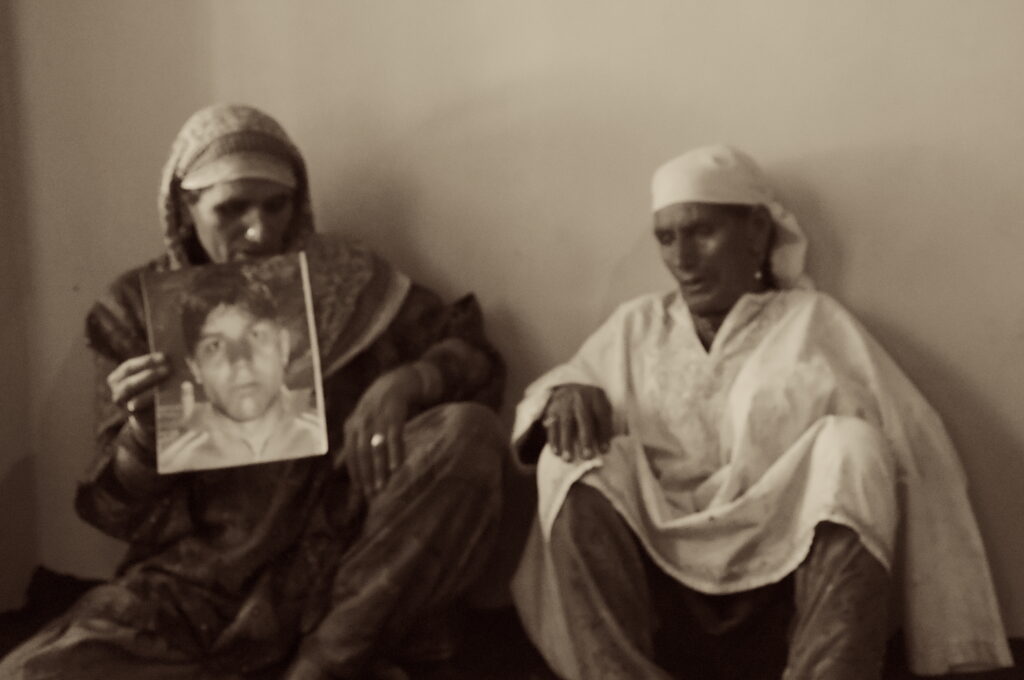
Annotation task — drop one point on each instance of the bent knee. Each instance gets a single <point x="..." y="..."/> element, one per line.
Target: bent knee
<point x="585" y="509"/>
<point x="459" y="439"/>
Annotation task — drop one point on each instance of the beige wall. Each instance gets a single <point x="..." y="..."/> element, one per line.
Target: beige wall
<point x="17" y="475"/>
<point x="505" y="147"/>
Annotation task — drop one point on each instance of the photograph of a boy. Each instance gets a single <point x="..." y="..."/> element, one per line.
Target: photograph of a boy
<point x="237" y="351"/>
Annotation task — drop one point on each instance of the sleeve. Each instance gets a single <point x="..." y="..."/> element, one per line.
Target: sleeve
<point x="121" y="492"/>
<point x="449" y="337"/>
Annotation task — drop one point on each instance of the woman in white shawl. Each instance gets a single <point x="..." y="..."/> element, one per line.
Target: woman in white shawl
<point x="735" y="479"/>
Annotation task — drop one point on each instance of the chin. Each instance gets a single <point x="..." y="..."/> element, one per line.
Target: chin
<point x="247" y="412"/>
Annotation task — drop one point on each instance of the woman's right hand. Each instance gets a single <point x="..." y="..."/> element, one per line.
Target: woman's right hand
<point x="131" y="383"/>
<point x="578" y="421"/>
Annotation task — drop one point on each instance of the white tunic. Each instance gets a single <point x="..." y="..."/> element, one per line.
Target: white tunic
<point x="725" y="460"/>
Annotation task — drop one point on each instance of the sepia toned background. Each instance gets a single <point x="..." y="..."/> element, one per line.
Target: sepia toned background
<point x="505" y="148"/>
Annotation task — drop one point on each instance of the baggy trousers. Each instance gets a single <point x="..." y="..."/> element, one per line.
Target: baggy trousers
<point x="628" y="619"/>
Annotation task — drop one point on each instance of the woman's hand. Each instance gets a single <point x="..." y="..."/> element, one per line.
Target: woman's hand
<point x="578" y="420"/>
<point x="131" y="383"/>
<point x="373" y="432"/>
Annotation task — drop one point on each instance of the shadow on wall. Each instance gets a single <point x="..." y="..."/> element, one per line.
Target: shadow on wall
<point x="18" y="544"/>
<point x="17" y="536"/>
<point x="987" y="447"/>
<point x="373" y="204"/>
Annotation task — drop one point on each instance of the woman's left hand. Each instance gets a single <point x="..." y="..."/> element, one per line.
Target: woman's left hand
<point x="373" y="447"/>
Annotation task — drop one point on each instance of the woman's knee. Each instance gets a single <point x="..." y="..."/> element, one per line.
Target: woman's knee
<point x="459" y="439"/>
<point x="585" y="512"/>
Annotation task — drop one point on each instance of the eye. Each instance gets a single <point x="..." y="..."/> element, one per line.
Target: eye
<point x="261" y="334"/>
<point x="230" y="209"/>
<point x="276" y="204"/>
<point x="666" y="237"/>
<point x="703" y="230"/>
<point x="211" y="348"/>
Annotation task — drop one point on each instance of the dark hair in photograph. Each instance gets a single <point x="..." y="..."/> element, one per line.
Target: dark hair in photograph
<point x="212" y="287"/>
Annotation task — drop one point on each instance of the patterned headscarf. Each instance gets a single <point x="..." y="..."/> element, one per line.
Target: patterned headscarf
<point x="721" y="174"/>
<point x="212" y="133"/>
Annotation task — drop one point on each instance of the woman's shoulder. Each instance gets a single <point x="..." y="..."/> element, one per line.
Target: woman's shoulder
<point x="820" y="314"/>
<point x="649" y="304"/>
<point x="811" y="301"/>
<point x="640" y="314"/>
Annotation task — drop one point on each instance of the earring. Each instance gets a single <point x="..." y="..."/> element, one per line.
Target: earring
<point x="758" y="275"/>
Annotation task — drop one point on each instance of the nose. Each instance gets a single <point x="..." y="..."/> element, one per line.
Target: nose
<point x="239" y="350"/>
<point x="256" y="229"/>
<point x="684" y="253"/>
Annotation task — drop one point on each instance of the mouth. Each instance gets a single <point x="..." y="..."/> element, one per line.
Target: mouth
<point x="246" y="388"/>
<point x="693" y="283"/>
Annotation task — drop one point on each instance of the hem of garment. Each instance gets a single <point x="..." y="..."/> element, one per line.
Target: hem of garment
<point x="779" y="572"/>
<point x="769" y="576"/>
<point x="974" y="656"/>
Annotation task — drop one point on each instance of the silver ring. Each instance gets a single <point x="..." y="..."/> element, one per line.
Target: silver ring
<point x="376" y="440"/>
<point x="549" y="421"/>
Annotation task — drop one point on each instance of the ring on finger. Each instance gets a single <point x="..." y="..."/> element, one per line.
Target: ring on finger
<point x="549" y="421"/>
<point x="376" y="440"/>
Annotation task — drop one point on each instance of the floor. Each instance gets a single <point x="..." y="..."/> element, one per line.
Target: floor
<point x="494" y="646"/>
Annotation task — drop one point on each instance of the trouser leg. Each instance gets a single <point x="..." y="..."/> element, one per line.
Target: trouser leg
<point x="92" y="649"/>
<point x="841" y="597"/>
<point x="602" y="580"/>
<point x="425" y="539"/>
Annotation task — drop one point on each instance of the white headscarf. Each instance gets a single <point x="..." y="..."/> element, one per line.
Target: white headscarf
<point x="721" y="174"/>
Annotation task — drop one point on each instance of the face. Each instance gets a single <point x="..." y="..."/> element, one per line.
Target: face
<point x="712" y="252"/>
<point x="240" y="362"/>
<point x="242" y="219"/>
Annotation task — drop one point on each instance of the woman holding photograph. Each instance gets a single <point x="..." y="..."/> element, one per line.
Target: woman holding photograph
<point x="307" y="568"/>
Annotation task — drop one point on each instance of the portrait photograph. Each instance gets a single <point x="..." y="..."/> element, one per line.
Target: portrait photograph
<point x="244" y="365"/>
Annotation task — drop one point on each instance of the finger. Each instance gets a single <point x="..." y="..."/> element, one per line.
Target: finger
<point x="604" y="420"/>
<point x="566" y="439"/>
<point x="132" y="386"/>
<point x="140" y="403"/>
<point x="379" y="458"/>
<point x="396" y="448"/>
<point x="585" y="439"/>
<point x="365" y="455"/>
<point x="550" y="424"/>
<point x="353" y="458"/>
<point x="136" y="364"/>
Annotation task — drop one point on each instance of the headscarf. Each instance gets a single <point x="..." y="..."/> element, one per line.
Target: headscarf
<point x="722" y="174"/>
<point x="210" y="137"/>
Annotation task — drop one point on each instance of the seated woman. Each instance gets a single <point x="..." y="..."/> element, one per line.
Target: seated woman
<point x="325" y="563"/>
<point x="733" y="475"/>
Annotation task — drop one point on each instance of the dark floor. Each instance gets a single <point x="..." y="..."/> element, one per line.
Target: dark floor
<point x="494" y="646"/>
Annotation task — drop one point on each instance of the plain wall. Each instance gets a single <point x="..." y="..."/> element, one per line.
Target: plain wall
<point x="506" y="147"/>
<point x="17" y="474"/>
